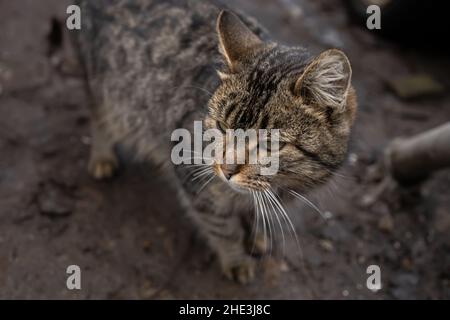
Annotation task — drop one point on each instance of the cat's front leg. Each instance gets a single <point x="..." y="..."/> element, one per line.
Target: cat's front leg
<point x="226" y="236"/>
<point x="103" y="161"/>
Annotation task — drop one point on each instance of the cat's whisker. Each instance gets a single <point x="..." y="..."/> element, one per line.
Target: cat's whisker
<point x="198" y="169"/>
<point x="200" y="154"/>
<point x="287" y="219"/>
<point x="269" y="221"/>
<point x="307" y="201"/>
<point x="258" y="197"/>
<point x="202" y="168"/>
<point x="197" y="165"/>
<point x="255" y="223"/>
<point x="255" y="228"/>
<point x="197" y="155"/>
<point x="278" y="220"/>
<point x="206" y="183"/>
<point x="340" y="175"/>
<point x="260" y="194"/>
<point x="331" y="189"/>
<point x="203" y="180"/>
<point x="200" y="158"/>
<point x="205" y="163"/>
<point x="202" y="173"/>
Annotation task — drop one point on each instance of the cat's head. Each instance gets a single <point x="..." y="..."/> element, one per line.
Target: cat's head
<point x="269" y="86"/>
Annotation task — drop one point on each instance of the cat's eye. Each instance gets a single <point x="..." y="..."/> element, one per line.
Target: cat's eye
<point x="222" y="127"/>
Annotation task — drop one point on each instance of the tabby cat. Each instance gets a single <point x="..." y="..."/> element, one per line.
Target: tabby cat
<point x="154" y="66"/>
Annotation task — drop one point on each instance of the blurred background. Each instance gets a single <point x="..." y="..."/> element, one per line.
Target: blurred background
<point x="132" y="241"/>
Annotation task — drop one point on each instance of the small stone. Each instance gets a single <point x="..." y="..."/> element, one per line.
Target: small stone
<point x="326" y="245"/>
<point x="345" y="293"/>
<point x="86" y="140"/>
<point x="353" y="158"/>
<point x="284" y="266"/>
<point x="386" y="223"/>
<point x="293" y="9"/>
<point x="361" y="259"/>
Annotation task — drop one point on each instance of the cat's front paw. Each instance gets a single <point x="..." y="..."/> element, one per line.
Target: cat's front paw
<point x="242" y="272"/>
<point x="103" y="167"/>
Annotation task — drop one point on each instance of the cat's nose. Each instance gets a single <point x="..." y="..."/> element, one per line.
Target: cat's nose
<point x="228" y="170"/>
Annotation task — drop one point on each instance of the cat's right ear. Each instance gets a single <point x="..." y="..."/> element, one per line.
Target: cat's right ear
<point x="237" y="42"/>
<point x="326" y="80"/>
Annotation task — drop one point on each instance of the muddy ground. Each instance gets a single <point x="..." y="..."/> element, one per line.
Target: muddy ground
<point x="128" y="235"/>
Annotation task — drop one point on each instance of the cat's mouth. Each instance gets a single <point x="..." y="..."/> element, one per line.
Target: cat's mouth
<point x="239" y="182"/>
<point x="236" y="184"/>
<point x="233" y="181"/>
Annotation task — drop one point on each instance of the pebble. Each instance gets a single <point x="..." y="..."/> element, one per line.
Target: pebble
<point x="294" y="10"/>
<point x="326" y="245"/>
<point x="86" y="140"/>
<point x="328" y="215"/>
<point x="353" y="159"/>
<point x="284" y="266"/>
<point x="386" y="223"/>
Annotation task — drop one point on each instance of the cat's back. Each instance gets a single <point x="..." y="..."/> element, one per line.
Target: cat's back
<point x="146" y="60"/>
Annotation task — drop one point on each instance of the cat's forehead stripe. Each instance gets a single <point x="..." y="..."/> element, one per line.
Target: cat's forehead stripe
<point x="269" y="69"/>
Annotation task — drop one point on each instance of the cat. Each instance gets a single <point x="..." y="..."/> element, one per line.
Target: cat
<point x="154" y="66"/>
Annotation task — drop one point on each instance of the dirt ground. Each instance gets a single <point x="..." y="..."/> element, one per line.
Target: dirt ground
<point x="128" y="235"/>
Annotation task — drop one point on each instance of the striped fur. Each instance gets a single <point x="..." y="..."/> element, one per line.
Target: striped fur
<point x="151" y="68"/>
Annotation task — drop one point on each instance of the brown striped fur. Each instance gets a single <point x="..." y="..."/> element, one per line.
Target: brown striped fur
<point x="149" y="64"/>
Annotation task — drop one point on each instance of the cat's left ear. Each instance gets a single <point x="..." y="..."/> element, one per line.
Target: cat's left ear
<point x="237" y="42"/>
<point x="326" y="80"/>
